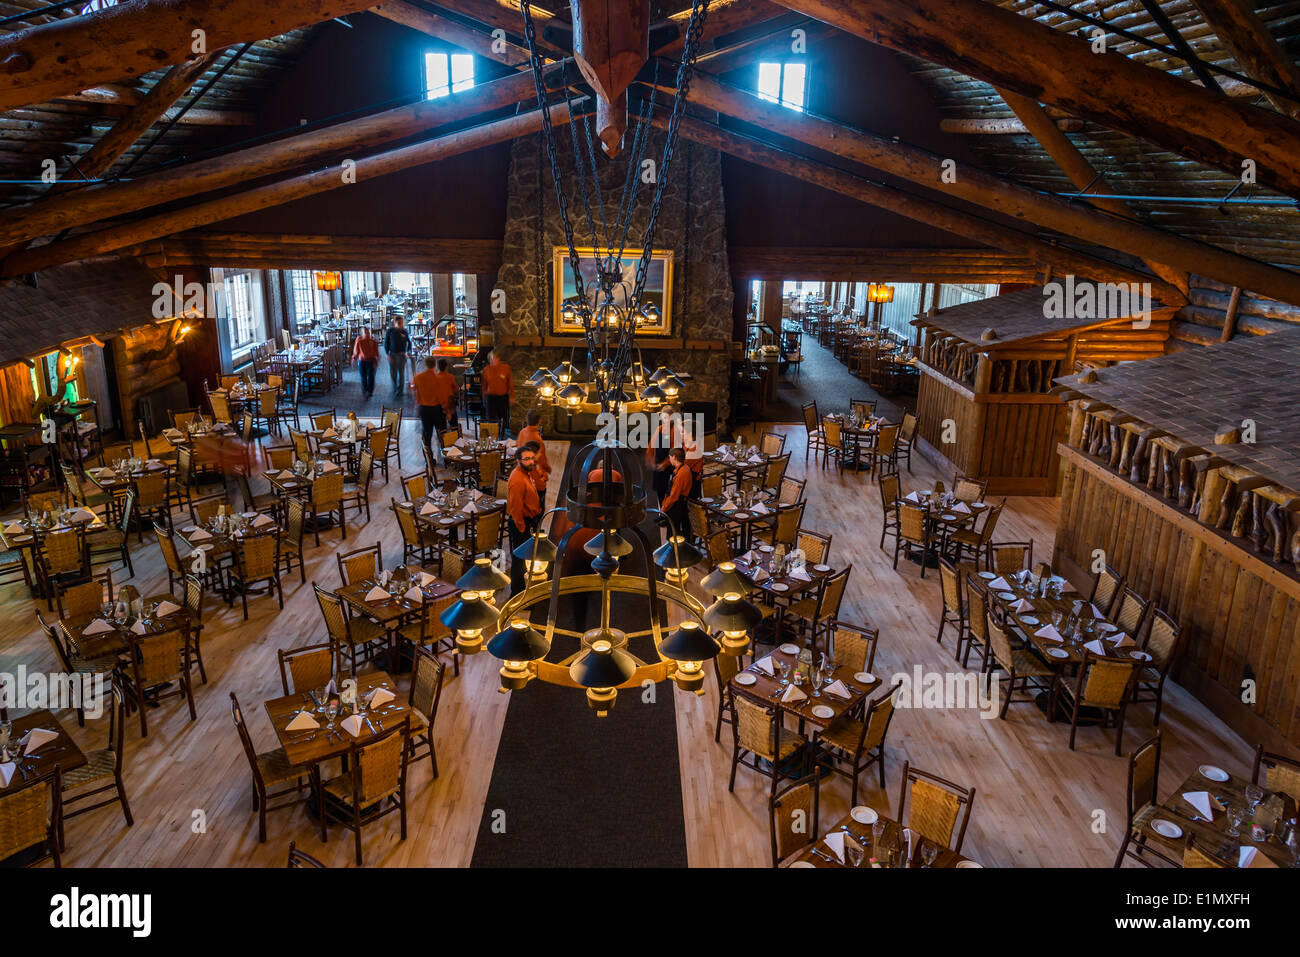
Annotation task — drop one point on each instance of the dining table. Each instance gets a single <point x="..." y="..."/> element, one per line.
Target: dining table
<point x="780" y="591"/>
<point x="58" y="752"/>
<point x="817" y="707"/>
<point x="116" y="638"/>
<point x="1215" y="790"/>
<point x="286" y="483"/>
<point x="392" y="610"/>
<point x="309" y="747"/>
<point x="745" y="521"/>
<point x="447" y="515"/>
<point x="943" y="515"/>
<point x="735" y="469"/>
<point x="861" y="825"/>
<point x="858" y="436"/>
<point x="190" y="437"/>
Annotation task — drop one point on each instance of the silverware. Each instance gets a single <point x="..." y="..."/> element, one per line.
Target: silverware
<point x="824" y="856"/>
<point x="371" y="727"/>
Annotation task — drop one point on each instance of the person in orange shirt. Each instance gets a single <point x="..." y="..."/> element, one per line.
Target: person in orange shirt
<point x="532" y="432"/>
<point x="669" y="435"/>
<point x="498" y="391"/>
<point x="365" y="352"/>
<point x="523" y="507"/>
<point x="674" y="505"/>
<point x="433" y="394"/>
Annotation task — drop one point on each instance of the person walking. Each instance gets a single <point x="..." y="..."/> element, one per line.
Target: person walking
<point x="532" y="432"/>
<point x="365" y="352"/>
<point x="498" y="391"/>
<point x="523" y="507"/>
<point x="397" y="344"/>
<point x="674" y="505"/>
<point x="433" y="394"/>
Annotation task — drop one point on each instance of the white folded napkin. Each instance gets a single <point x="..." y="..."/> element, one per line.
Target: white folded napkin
<point x="376" y="594"/>
<point x="329" y="468"/>
<point x="97" y="627"/>
<point x="379" y="697"/>
<point x="451" y="452"/>
<point x="1049" y="632"/>
<point x="728" y="504"/>
<point x="138" y="628"/>
<point x="470" y="508"/>
<point x="414" y="594"/>
<point x="835" y="841"/>
<point x="427" y="579"/>
<point x="755" y="460"/>
<point x="302" y="722"/>
<point x="1247" y="854"/>
<point x="262" y="521"/>
<point x="1202" y="802"/>
<point x="1125" y="641"/>
<point x="107" y="475"/>
<point x="1096" y="612"/>
<point x="760" y="575"/>
<point x="999" y="584"/>
<point x="352" y="725"/>
<point x="199" y="535"/>
<point x="1022" y="606"/>
<point x="331" y="688"/>
<point x="460" y="442"/>
<point x="13" y="528"/>
<point x="428" y="509"/>
<point x="837" y="688"/>
<point x="168" y="608"/>
<point x="1095" y="647"/>
<point x="765" y="665"/>
<point x="911" y="497"/>
<point x="799" y="574"/>
<point x="760" y="509"/>
<point x="961" y="508"/>
<point x="727" y="457"/>
<point x="7" y="773"/>
<point x="38" y="737"/>
<point x="81" y="514"/>
<point x="329" y="434"/>
<point x="172" y="433"/>
<point x="793" y="694"/>
<point x="748" y="558"/>
<point x="153" y="463"/>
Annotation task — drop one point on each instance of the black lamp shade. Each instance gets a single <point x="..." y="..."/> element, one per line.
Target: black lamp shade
<point x="690" y="642"/>
<point x="483" y="576"/>
<point x="685" y="555"/>
<point x="602" y="666"/>
<point x="469" y="613"/>
<point x="732" y="613"/>
<point x="617" y="545"/>
<point x="519" y="642"/>
<point x="545" y="550"/>
<point x="726" y="578"/>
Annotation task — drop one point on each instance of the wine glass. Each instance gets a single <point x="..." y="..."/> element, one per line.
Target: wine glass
<point x="929" y="851"/>
<point x="854" y="852"/>
<point x="1254" y="795"/>
<point x="817" y="681"/>
<point x="331" y="711"/>
<point x="6" y="730"/>
<point x="1235" y="816"/>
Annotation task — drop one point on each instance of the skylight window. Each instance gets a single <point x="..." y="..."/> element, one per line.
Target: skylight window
<point x="784" y="83"/>
<point x="447" y="73"/>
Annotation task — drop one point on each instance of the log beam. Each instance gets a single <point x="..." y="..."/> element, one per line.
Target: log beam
<point x="49" y="60"/>
<point x="113" y="238"/>
<point x="444" y="28"/>
<point x="1260" y="56"/>
<point x="991" y="192"/>
<point x="1002" y="126"/>
<point x="1009" y="50"/>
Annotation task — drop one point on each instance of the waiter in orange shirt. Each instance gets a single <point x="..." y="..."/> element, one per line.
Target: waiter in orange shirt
<point x="498" y="391"/>
<point x="523" y="507"/>
<point x="532" y="432"/>
<point x="365" y="352"/>
<point x="674" y="505"/>
<point x="435" y="391"/>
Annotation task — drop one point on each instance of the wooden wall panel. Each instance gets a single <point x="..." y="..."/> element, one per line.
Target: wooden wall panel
<point x="937" y="402"/>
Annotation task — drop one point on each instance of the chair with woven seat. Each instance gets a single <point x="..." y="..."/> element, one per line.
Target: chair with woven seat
<point x="883" y="456"/>
<point x="377" y="774"/>
<point x="939" y="807"/>
<point x="326" y="499"/>
<point x="392" y="421"/>
<point x="193" y="604"/>
<point x="307" y="667"/>
<point x="1142" y="802"/>
<point x="1280" y="772"/>
<point x="176" y="570"/>
<point x="913" y="533"/>
<point x="85" y="598"/>
<point x="816" y="548"/>
<point x="102" y="771"/>
<point x="717" y="547"/>
<point x="290" y="541"/>
<point x="204" y="509"/>
<point x="279" y="457"/>
<point x="969" y="490"/>
<point x="483" y="535"/>
<point x="270" y="769"/>
<point x="1104" y="684"/>
<point x="853" y="646"/>
<point x="814" y="437"/>
<point x="698" y="517"/>
<point x="153" y="501"/>
<point x="358" y="638"/>
<point x="1164" y="644"/>
<point x="813" y="615"/>
<point x="1131" y="612"/>
<point x="489" y="467"/>
<point x="1105" y="587"/>
<point x="113" y="539"/>
<point x="427" y="674"/>
<point x="419" y="542"/>
<point x="711" y="486"/>
<point x="952" y="605"/>
<point x="758" y="731"/>
<point x="792" y="818"/>
<point x="360" y="564"/>
<point x="1021" y="665"/>
<point x="833" y="443"/>
<point x="785" y="531"/>
<point x="377" y="444"/>
<point x="268" y="503"/>
<point x="415" y="486"/>
<point x="725" y="667"/>
<point x="970" y="545"/>
<point x="890" y="493"/>
<point x="257" y="562"/>
<point x="73" y="666"/>
<point x="771" y="444"/>
<point x="906" y="438"/>
<point x="356" y="491"/>
<point x="977" y="635"/>
<point x="320" y="421"/>
<point x="29" y="818"/>
<point x="1008" y="558"/>
<point x="854" y="745"/>
<point x="1193" y="856"/>
<point x="790" y="492"/>
<point x="62" y="559"/>
<point x="158" y="662"/>
<point x="429" y="631"/>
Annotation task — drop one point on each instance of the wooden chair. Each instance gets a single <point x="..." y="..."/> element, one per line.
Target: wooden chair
<point x="1165" y="645"/>
<point x="113" y="539"/>
<point x="418" y="542"/>
<point x="193" y="605"/>
<point x="270" y="769"/>
<point x="102" y="771"/>
<point x="701" y="527"/>
<point x="489" y="467"/>
<point x="969" y="490"/>
<point x="360" y="564"/>
<point x="203" y="510"/>
<point x="61" y="560"/>
<point x="792" y="818"/>
<point x="320" y="421"/>
<point x="854" y="646"/>
<point x="257" y="562"/>
<point x="1141" y="802"/>
<point x="290" y="541"/>
<point x="815" y="436"/>
<point x="771" y="444"/>
<point x="968" y="544"/>
<point x="939" y="807"/>
<point x="816" y="548"/>
<point x="73" y="666"/>
<point x="153" y="500"/>
<point x="176" y="570"/>
<point x="864" y="407"/>
<point x="279" y="457"/>
<point x="884" y="455"/>
<point x="429" y="631"/>
<point x="307" y="667"/>
<point x="725" y="667"/>
<point x="952" y="605"/>
<point x="358" y="638"/>
<point x="791" y="490"/>
<point x="377" y="776"/>
<point x="1007" y="558"/>
<point x="357" y="493"/>
<point x="483" y="535"/>
<point x="906" y="437"/>
<point x="427" y="674"/>
<point x="489" y="430"/>
<point x="833" y="443"/>
<point x="326" y="499"/>
<point x="889" y="498"/>
<point x="786" y="529"/>
<point x="813" y="615"/>
<point x="30" y="817"/>
<point x="85" y="598"/>
<point x="758" y="731"/>
<point x="299" y="858"/>
<point x="1105" y="588"/>
<point x="415" y="486"/>
<point x="977" y="635"/>
<point x="913" y="532"/>
<point x="1131" y="613"/>
<point x="304" y="447"/>
<point x="1280" y="772"/>
<point x="267" y="503"/>
<point x="776" y="467"/>
<point x="378" y="441"/>
<point x="158" y="661"/>
<point x="1022" y="666"/>
<point x="1105" y="684"/>
<point x="855" y="745"/>
<point x="392" y="419"/>
<point x="1193" y="856"/>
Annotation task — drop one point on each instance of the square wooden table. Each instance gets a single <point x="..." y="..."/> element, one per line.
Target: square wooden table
<point x="734" y="471"/>
<point x="1040" y="614"/>
<point x="746" y="521"/>
<point x="313" y="746"/>
<point x="117" y="641"/>
<point x="781" y="590"/>
<point x="768" y="690"/>
<point x="61" y="753"/>
<point x="862" y="833"/>
<point x="393" y="611"/>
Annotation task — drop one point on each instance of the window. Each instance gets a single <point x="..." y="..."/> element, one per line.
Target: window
<point x="245" y="319"/>
<point x="784" y="83"/>
<point x="302" y="290"/>
<point x="446" y="73"/>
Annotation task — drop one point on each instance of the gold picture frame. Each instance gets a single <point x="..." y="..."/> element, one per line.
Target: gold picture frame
<point x="658" y="288"/>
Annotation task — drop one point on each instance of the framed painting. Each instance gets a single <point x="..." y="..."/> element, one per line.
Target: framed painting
<point x="658" y="288"/>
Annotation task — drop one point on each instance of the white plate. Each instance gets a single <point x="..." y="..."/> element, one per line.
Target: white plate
<point x="948" y="517"/>
<point x="189" y="528"/>
<point x="789" y="649"/>
<point x="250" y="515"/>
<point x="865" y="677"/>
<point x="765" y="548"/>
<point x="779" y="586"/>
<point x="499" y="501"/>
<point x="707" y="499"/>
<point x="745" y="678"/>
<point x="821" y="568"/>
<point x="1007" y="596"/>
<point x="988" y="576"/>
<point x="823" y="712"/>
<point x="864" y="815"/>
<point x="1166" y="828"/>
<point x="1058" y="653"/>
<point x="803" y="864"/>
<point x="1139" y="656"/>
<point x="964" y="865"/>
<point x="1211" y="773"/>
<point x="978" y="505"/>
<point x="1029" y="620"/>
<point x="446" y="521"/>
<point x="740" y="515"/>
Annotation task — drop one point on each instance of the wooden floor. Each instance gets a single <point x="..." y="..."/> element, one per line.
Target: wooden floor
<point x="1037" y="805"/>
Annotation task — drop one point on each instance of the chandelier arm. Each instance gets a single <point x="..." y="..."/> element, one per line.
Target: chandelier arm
<point x="651" y="580"/>
<point x="554" y="605"/>
<point x="580" y="168"/>
<point x="595" y="180"/>
<point x="632" y="182"/>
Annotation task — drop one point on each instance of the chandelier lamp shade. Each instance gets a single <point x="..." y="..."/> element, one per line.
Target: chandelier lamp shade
<point x="880" y="292"/>
<point x="329" y="281"/>
<point x="468" y="616"/>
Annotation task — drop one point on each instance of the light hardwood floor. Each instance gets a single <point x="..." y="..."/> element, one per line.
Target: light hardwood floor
<point x="1037" y="802"/>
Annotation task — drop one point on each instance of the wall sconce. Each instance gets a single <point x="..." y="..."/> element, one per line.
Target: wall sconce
<point x="880" y="292"/>
<point x="329" y="281"/>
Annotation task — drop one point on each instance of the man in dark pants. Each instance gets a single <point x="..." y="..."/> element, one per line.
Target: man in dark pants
<point x="674" y="505"/>
<point x="430" y="401"/>
<point x="498" y="392"/>
<point x="397" y="344"/>
<point x="365" y="351"/>
<point x="523" y="507"/>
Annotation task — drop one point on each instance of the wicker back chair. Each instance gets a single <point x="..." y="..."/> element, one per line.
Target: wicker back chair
<point x="192" y="602"/>
<point x="1280" y="772"/>
<point x="952" y="608"/>
<point x="913" y="532"/>
<point x="833" y="443"/>
<point x="939" y="807"/>
<point x="85" y="598"/>
<point x="771" y="443"/>
<point x="153" y="497"/>
<point x="422" y="544"/>
<point x="29" y="817"/>
<point x="725" y="667"/>
<point x="1007" y="558"/>
<point x="176" y="571"/>
<point x="62" y="559"/>
<point x="375" y="783"/>
<point x="102" y="771"/>
<point x="906" y="436"/>
<point x="279" y="457"/>
<point x="489" y="467"/>
<point x="885" y="454"/>
<point x="815" y="547"/>
<point x="698" y="516"/>
<point x="392" y="419"/>
<point x="792" y="818"/>
<point x="1025" y="671"/>
<point x="1105" y="589"/>
<point x="219" y="402"/>
<point x="360" y="564"/>
<point x="1165" y="645"/>
<point x="1105" y="684"/>
<point x="717" y="546"/>
<point x="308" y="667"/>
<point x="1132" y="612"/>
<point x="157" y="661"/>
<point x="204" y="510"/>
<point x="302" y="444"/>
<point x="427" y="674"/>
<point x="358" y="492"/>
<point x="257" y="561"/>
<point x="786" y="530"/>
<point x="791" y="490"/>
<point x="854" y="745"/>
<point x="969" y="490"/>
<point x="377" y="445"/>
<point x="890" y="493"/>
<point x="1142" y="798"/>
<point x="359" y="638"/>
<point x="758" y="731"/>
<point x="415" y="486"/>
<point x="270" y="768"/>
<point x="322" y="420"/>
<point x="814" y="436"/>
<point x="977" y="634"/>
<point x="815" y="614"/>
<point x="854" y="646"/>
<point x="326" y="499"/>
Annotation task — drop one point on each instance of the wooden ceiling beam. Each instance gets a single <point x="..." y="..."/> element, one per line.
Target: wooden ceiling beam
<point x="1259" y="55"/>
<point x="445" y="28"/>
<point x="1082" y="173"/>
<point x="1016" y="52"/>
<point x="892" y="156"/>
<point x="1001" y="126"/>
<point x="725" y="16"/>
<point x="287" y="190"/>
<point x="93" y="203"/>
<point x="912" y="207"/>
<point x="49" y="60"/>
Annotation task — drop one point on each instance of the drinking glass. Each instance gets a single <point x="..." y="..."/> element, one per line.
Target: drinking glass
<point x="1254" y="795"/>
<point x="855" y="853"/>
<point x="877" y="836"/>
<point x="817" y="681"/>
<point x="929" y="851"/>
<point x="6" y="730"/>
<point x="1235" y="816"/>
